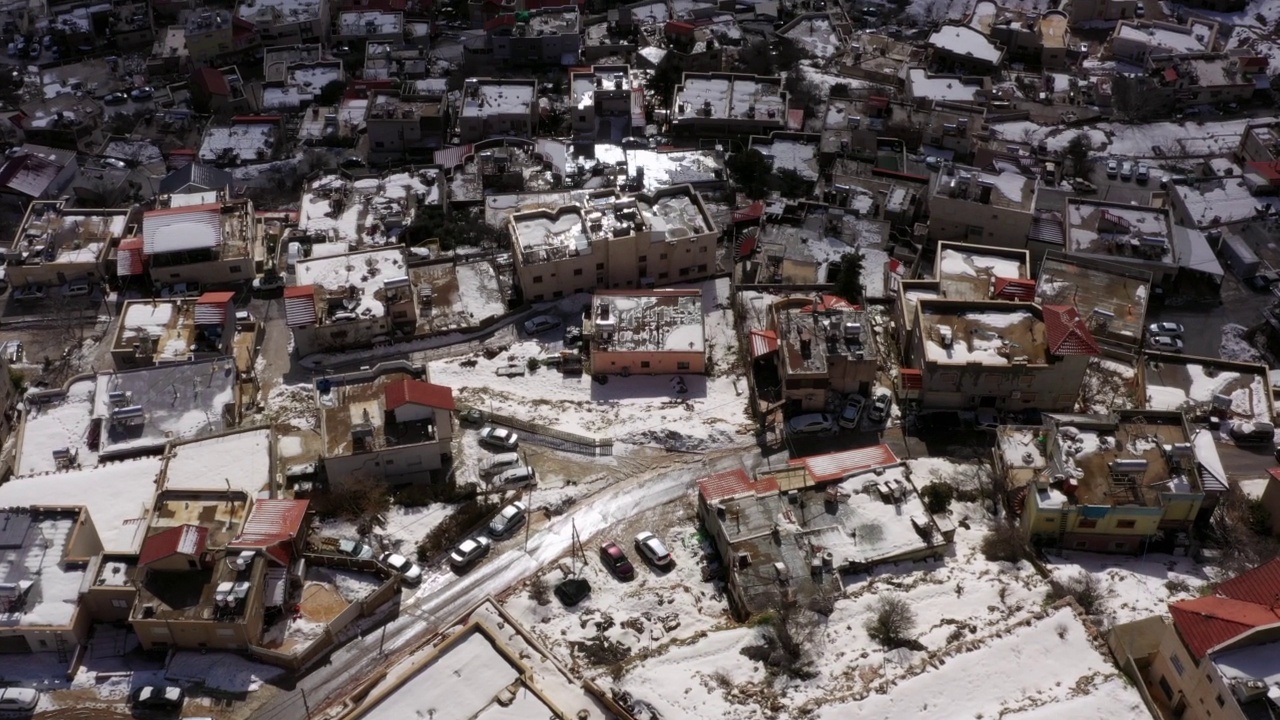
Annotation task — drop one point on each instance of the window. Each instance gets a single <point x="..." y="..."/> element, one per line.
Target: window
<point x="118" y="603"/>
<point x="682" y="366"/>
<point x="702" y="268"/>
<point x="644" y="258"/>
<point x="684" y="272"/>
<point x="582" y="118"/>
<point x="644" y="363"/>
<point x="663" y="256"/>
<point x="1166" y="689"/>
<point x="234" y="268"/>
<point x="43" y="644"/>
<point x="1126" y="524"/>
<point x="577" y="271"/>
<point x="378" y="144"/>
<point x="1087" y="523"/>
<point x="557" y="294"/>
<point x="599" y="266"/>
<point x="1220" y="701"/>
<point x="1176" y="662"/>
<point x="1117" y="546"/>
<point x="662" y="276"/>
<point x="174" y="276"/>
<point x="537" y="278"/>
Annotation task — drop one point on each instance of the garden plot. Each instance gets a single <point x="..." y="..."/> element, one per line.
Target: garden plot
<point x="1135" y="587"/>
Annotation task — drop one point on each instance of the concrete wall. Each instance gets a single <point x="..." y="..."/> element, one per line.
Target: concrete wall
<point x="609" y="362"/>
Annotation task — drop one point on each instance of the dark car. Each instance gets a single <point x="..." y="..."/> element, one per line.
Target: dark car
<point x="115" y="99"/>
<point x="159" y="697"/>
<point x="616" y="561"/>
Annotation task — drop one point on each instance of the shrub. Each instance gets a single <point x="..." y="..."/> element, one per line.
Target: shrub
<point x="937" y="496"/>
<point x="1004" y="543"/>
<point x="892" y="621"/>
<point x="1084" y="587"/>
<point x="468" y="515"/>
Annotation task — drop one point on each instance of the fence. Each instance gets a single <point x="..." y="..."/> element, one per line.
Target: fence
<point x="550" y="437"/>
<point x="297" y="662"/>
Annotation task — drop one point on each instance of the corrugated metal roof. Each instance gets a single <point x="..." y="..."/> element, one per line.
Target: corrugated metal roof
<point x="763" y="342"/>
<point x="270" y="522"/>
<point x="451" y="157"/>
<point x="129" y="259"/>
<point x="300" y="306"/>
<point x="29" y="174"/>
<point x="181" y="540"/>
<point x="838" y="465"/>
<point x="732" y="483"/>
<point x="1245" y="602"/>
<point x="190" y="228"/>
<point x="417" y="392"/>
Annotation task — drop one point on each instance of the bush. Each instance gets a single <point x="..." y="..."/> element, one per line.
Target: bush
<point x="533" y="364"/>
<point x="892" y="621"/>
<point x="359" y="498"/>
<point x="1084" y="587"/>
<point x="937" y="497"/>
<point x="1004" y="543"/>
<point x="468" y="515"/>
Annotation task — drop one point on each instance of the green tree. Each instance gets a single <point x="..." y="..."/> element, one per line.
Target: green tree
<point x="750" y="171"/>
<point x="789" y="183"/>
<point x="331" y="93"/>
<point x="848" y="280"/>
<point x="1078" y="153"/>
<point x="668" y="74"/>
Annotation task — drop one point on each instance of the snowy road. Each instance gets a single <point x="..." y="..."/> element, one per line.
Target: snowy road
<point x="443" y="595"/>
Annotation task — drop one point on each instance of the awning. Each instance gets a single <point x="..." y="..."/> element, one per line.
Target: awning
<point x="763" y="342"/>
<point x="300" y="306"/>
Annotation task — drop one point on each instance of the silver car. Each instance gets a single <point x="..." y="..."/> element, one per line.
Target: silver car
<point x="1165" y="328"/>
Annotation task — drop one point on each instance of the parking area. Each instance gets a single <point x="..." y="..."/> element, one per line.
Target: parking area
<point x="1240" y="305"/>
<point x="1117" y="190"/>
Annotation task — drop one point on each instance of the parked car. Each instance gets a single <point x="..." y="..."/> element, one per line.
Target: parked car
<point x="1253" y="433"/>
<point x="500" y="463"/>
<point x="1113" y="168"/>
<point x="1263" y="281"/>
<point x="1084" y="186"/>
<point x="16" y="699"/>
<point x="115" y="99"/>
<point x="652" y="549"/>
<point x="809" y="423"/>
<point x="497" y="437"/>
<point x="541" y="324"/>
<point x="180" y="290"/>
<point x="469" y="551"/>
<point x="615" y="560"/>
<point x="1165" y="344"/>
<point x="410" y="573"/>
<point x="352" y="161"/>
<point x="268" y="282"/>
<point x="880" y="406"/>
<point x="30" y="292"/>
<point x="159" y="697"/>
<point x="507" y="519"/>
<point x="76" y="288"/>
<point x="142" y="93"/>
<point x="1165" y="328"/>
<point x="1144" y="170"/>
<point x="518" y="476"/>
<point x="1140" y="11"/>
<point x="1126" y="170"/>
<point x="355" y="549"/>
<point x="852" y="412"/>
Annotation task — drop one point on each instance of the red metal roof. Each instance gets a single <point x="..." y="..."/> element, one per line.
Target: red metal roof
<point x="180" y="540"/>
<point x="1016" y="289"/>
<point x="747" y="242"/>
<point x="795" y="119"/>
<point x="416" y="392"/>
<point x="732" y="483"/>
<point x="211" y="308"/>
<point x="912" y="379"/>
<point x="1068" y="335"/>
<point x="838" y="465"/>
<point x="449" y="158"/>
<point x="1269" y="170"/>
<point x="271" y="526"/>
<point x="213" y="82"/>
<point x="750" y="212"/>
<point x="216" y="298"/>
<point x="677" y="27"/>
<point x="829" y="302"/>
<point x="1247" y="601"/>
<point x="300" y="306"/>
<point x="129" y="258"/>
<point x="763" y="342"/>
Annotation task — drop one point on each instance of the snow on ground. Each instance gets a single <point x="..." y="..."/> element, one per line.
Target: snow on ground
<point x="479" y="297"/>
<point x="1135" y="587"/>
<point x="223" y="671"/>
<point x="1234" y="346"/>
<point x="405" y="527"/>
<point x="1175" y="139"/>
<point x="353" y="586"/>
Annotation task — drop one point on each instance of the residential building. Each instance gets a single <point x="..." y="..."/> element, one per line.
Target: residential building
<point x="152" y="332"/>
<point x="1140" y="40"/>
<point x="195" y="178"/>
<point x="213" y="36"/>
<point x="370" y="213"/>
<point x="1109" y="483"/>
<point x="1043" y="37"/>
<point x="386" y="424"/>
<point x="246" y="139"/>
<point x="493" y="107"/>
<point x="614" y="242"/>
<point x="990" y="207"/>
<point x="335" y="307"/>
<point x="287" y="22"/>
<point x="36" y="172"/>
<point x="220" y="92"/>
<point x="955" y="127"/>
<point x="924" y="88"/>
<point x="302" y="86"/>
<point x="729" y="103"/>
<point x="605" y="102"/>
<point x="964" y="48"/>
<point x="1191" y="80"/>
<point x="1000" y="355"/>
<point x="1140" y="237"/>
<point x="370" y="26"/>
<point x="46" y="549"/>
<point x="1217" y="656"/>
<point x="404" y="124"/>
<point x="546" y="36"/>
<point x="277" y="60"/>
<point x="646" y="332"/>
<point x="1111" y="297"/>
<point x="823" y="348"/>
<point x="55" y="243"/>
<point x="208" y="242"/>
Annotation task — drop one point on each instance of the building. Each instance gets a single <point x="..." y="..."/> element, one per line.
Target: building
<point x="302" y="86"/>
<point x="214" y="36"/>
<point x="153" y="332"/>
<point x="287" y="22"/>
<point x="370" y="26"/>
<point x="209" y="242"/>
<point x="924" y="88"/>
<point x="1139" y="40"/>
<point x="965" y="49"/>
<point x="195" y="178"/>
<point x="1045" y="38"/>
<point x="401" y="125"/>
<point x="1116" y="483"/>
<point x="338" y="214"/>
<point x="1133" y="235"/>
<point x="546" y="36"/>
<point x="989" y="207"/>
<point x="37" y="173"/>
<point x="220" y="92"/>
<point x="492" y="108"/>
<point x="827" y="500"/>
<point x="351" y="300"/>
<point x="1002" y="355"/>
<point x="1111" y="297"/>
<point x="646" y="332"/>
<point x="707" y="104"/>
<point x="1217" y="656"/>
<point x="46" y="549"/>
<point x="56" y="243"/>
<point x="387" y="424"/>
<point x="614" y="242"/>
<point x="1191" y="80"/>
<point x="247" y="139"/>
<point x="823" y="349"/>
<point x="605" y="102"/>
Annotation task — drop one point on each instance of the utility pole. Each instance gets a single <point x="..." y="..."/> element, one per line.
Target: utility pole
<point x="305" y="705"/>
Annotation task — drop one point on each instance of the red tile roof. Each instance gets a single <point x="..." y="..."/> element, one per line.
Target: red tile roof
<point x="129" y="258"/>
<point x="1016" y="289"/>
<point x="1248" y="601"/>
<point x="732" y="483"/>
<point x="416" y="392"/>
<point x="180" y="540"/>
<point x="1068" y="335"/>
<point x="212" y="81"/>
<point x="838" y="465"/>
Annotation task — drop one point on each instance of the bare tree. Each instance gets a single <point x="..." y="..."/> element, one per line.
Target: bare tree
<point x="791" y="637"/>
<point x="359" y="498"/>
<point x="1004" y="543"/>
<point x="1238" y="530"/>
<point x="1084" y="587"/>
<point x="892" y="621"/>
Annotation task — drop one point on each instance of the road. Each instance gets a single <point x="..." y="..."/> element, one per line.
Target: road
<point x="443" y="595"/>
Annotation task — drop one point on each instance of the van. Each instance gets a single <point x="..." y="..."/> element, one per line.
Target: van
<point x="516" y="477"/>
<point x="293" y="255"/>
<point x="501" y="463"/>
<point x="76" y="288"/>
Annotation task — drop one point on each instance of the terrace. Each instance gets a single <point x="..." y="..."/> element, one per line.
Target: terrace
<point x="35" y="544"/>
<point x="496" y="97"/>
<point x="355" y="418"/>
<point x="988" y="337"/>
<point x="353" y="283"/>
<point x="221" y="513"/>
<point x="807" y="338"/>
<point x="730" y="97"/>
<point x="652" y="321"/>
<point x="1006" y="188"/>
<point x="277" y="60"/>
<point x="970" y="272"/>
<point x="52" y="234"/>
<point x="198" y="594"/>
<point x="1115" y="229"/>
<point x="239" y="144"/>
<point x="1112" y="297"/>
<point x="163" y="329"/>
<point x="1131" y="460"/>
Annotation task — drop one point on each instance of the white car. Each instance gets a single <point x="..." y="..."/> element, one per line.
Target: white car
<point x="1113" y="168"/>
<point x="1126" y="170"/>
<point x="541" y="324"/>
<point x="268" y="282"/>
<point x="653" y="550"/>
<point x="1165" y="328"/>
<point x="880" y="406"/>
<point x="852" y="412"/>
<point x="510" y="518"/>
<point x="810" y="423"/>
<point x="16" y="699"/>
<point x="469" y="551"/>
<point x="410" y="573"/>
<point x="500" y="438"/>
<point x="518" y="476"/>
<point x="1144" y="171"/>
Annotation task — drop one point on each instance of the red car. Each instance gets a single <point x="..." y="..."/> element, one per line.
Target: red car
<point x="616" y="560"/>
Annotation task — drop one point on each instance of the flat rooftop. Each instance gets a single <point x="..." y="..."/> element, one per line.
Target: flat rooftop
<point x="1120" y="230"/>
<point x="176" y="401"/>
<point x="951" y="88"/>
<point x="53" y="234"/>
<point x="497" y="97"/>
<point x="568" y="231"/>
<point x="610" y="79"/>
<point x="990" y="336"/>
<point x="356" y="279"/>
<point x="969" y="273"/>
<point x="648" y="321"/>
<point x="279" y="12"/>
<point x="221" y="513"/>
<point x="1005" y="187"/>
<point x="1221" y="201"/>
<point x="368" y="212"/>
<point x="239" y="461"/>
<point x="1204" y="387"/>
<point x="32" y="548"/>
<point x="549" y="22"/>
<point x="798" y="156"/>
<point x="808" y="339"/>
<point x="55" y="424"/>
<point x="730" y="97"/>
<point x="370" y="22"/>
<point x="1177" y="40"/>
<point x="191" y="594"/>
<point x="167" y="327"/>
<point x="1088" y="453"/>
<point x="243" y="143"/>
<point x="965" y="41"/>
<point x="118" y="495"/>
<point x="276" y="60"/>
<point x="1111" y="297"/>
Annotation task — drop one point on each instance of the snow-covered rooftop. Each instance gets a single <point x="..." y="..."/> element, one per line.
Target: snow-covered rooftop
<point x="370" y="22"/>
<point x="731" y="97"/>
<point x="1221" y="201"/>
<point x="941" y="87"/>
<point x="965" y="41"/>
<point x="967" y="274"/>
<point x="33" y="562"/>
<point x="242" y="143"/>
<point x="236" y="461"/>
<point x="369" y="211"/>
<point x="1127" y="229"/>
<point x="1176" y="39"/>
<point x="988" y="337"/>
<point x="366" y="271"/>
<point x="177" y="400"/>
<point x="796" y="155"/>
<point x="266" y="13"/>
<point x="62" y="423"/>
<point x="650" y="321"/>
<point x="816" y="35"/>
<point x="483" y="97"/>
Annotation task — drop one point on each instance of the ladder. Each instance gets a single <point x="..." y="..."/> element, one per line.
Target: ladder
<point x="1062" y="527"/>
<point x="60" y="645"/>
